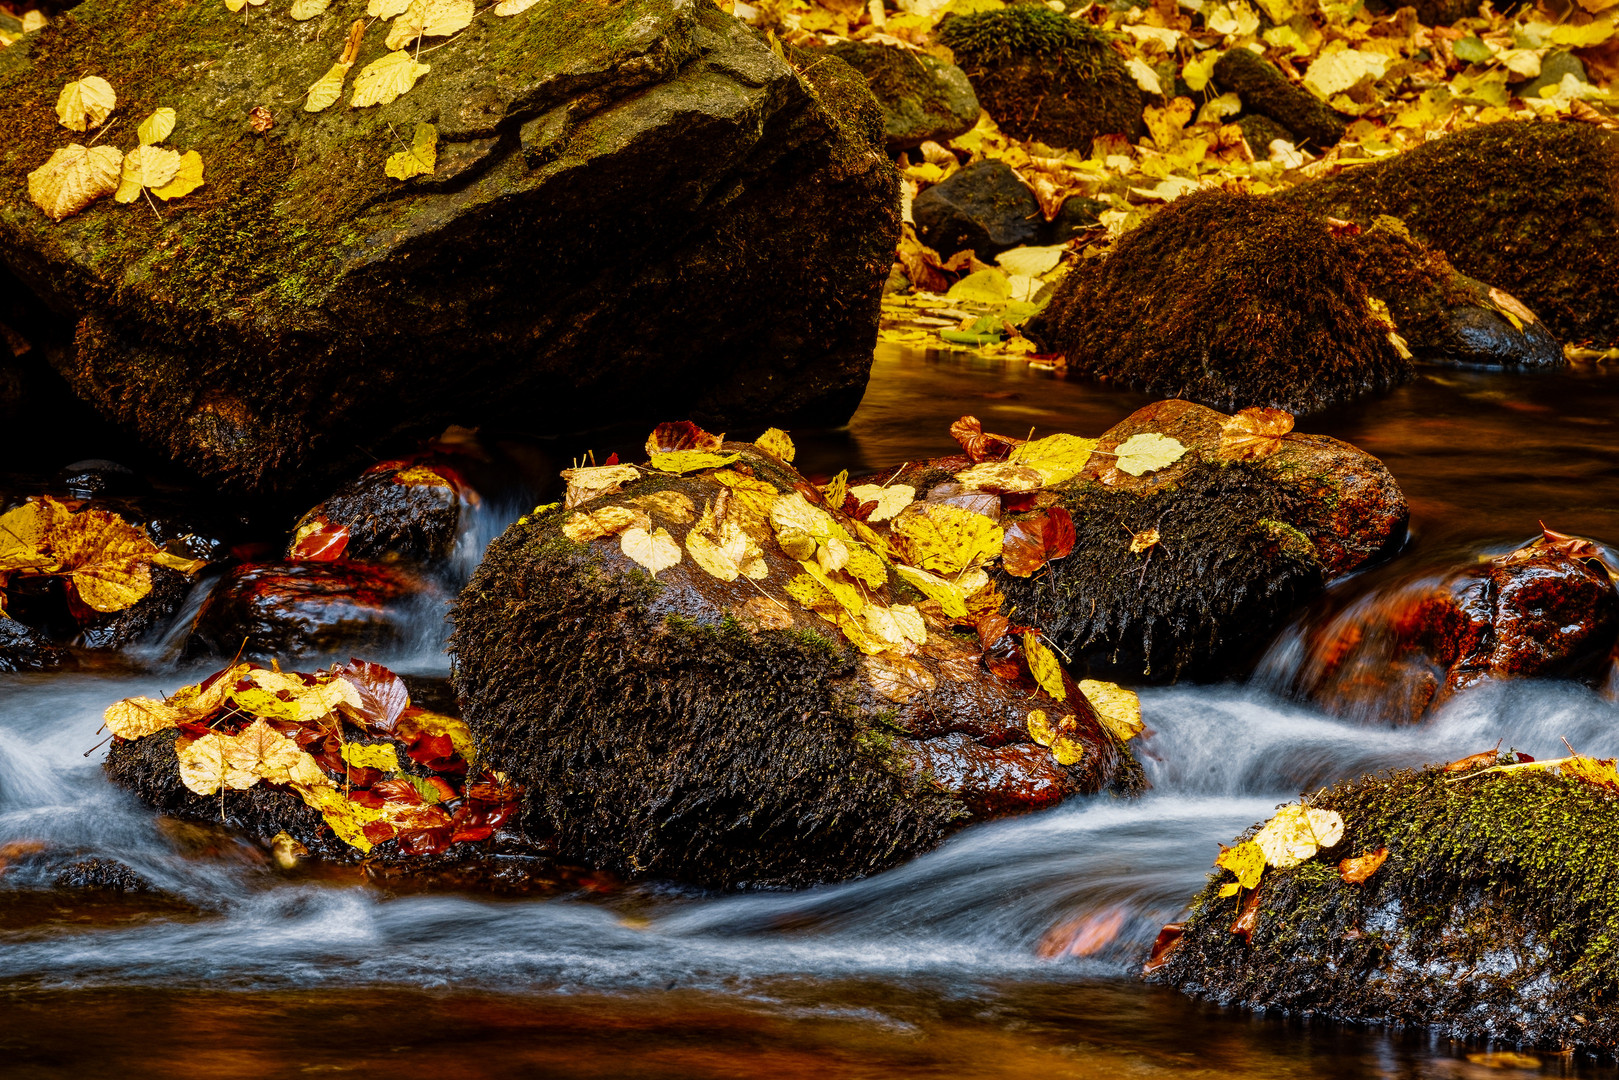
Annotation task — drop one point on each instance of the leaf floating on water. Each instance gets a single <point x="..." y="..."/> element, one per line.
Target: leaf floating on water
<point x="773" y="442"/>
<point x="1246" y="860"/>
<point x="685" y="461"/>
<point x="85" y="103"/>
<point x="386" y="78"/>
<point x="1355" y="871"/>
<point x="1296" y="833"/>
<point x="420" y="159"/>
<point x="73" y="178"/>
<point x="146" y="167"/>
<point x="595" y="481"/>
<point x="898" y="678"/>
<point x="1118" y="709"/>
<point x="430" y="18"/>
<point x="1254" y="433"/>
<point x="157" y="127"/>
<point x="655" y="550"/>
<point x="1043" y="666"/>
<point x="304" y="10"/>
<point x="1148" y="452"/>
<point x="890" y="500"/>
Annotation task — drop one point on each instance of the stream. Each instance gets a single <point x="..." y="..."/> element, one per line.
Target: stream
<point x="1012" y="951"/>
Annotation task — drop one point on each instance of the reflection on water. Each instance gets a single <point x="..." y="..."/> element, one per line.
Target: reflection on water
<point x="1012" y="951"/>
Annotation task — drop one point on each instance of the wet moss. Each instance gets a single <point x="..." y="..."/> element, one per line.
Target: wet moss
<point x="1495" y="916"/>
<point x="1229" y="300"/>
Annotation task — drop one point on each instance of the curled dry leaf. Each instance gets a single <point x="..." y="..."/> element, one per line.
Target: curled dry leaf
<point x="1148" y="452"/>
<point x="896" y="677"/>
<point x="386" y="78"/>
<point x="1254" y="433"/>
<point x="890" y="500"/>
<point x="1355" y="871"/>
<point x="1118" y="709"/>
<point x="681" y="435"/>
<point x="420" y="159"/>
<point x="260" y="119"/>
<point x="1297" y="832"/>
<point x="157" y="127"/>
<point x="1248" y="919"/>
<point x="655" y="550"/>
<point x="73" y="178"/>
<point x="980" y="445"/>
<point x="1145" y="540"/>
<point x="776" y="443"/>
<point x="594" y="481"/>
<point x="1169" y="939"/>
<point x="146" y="167"/>
<point x="85" y="103"/>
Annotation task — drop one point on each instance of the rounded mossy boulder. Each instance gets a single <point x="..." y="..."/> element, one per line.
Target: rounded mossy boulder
<point x="1492" y="917"/>
<point x="1528" y="207"/>
<point x="723" y="678"/>
<point x="922" y="97"/>
<point x="1042" y="75"/>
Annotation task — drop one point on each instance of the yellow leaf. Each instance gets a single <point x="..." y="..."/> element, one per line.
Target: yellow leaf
<point x="386" y="9"/>
<point x="1144" y="540"/>
<point x="1246" y="860"/>
<point x="890" y="500"/>
<point x="1336" y="72"/>
<point x="720" y="546"/>
<point x="1254" y="433"/>
<point x="513" y="7"/>
<point x="286" y="851"/>
<point x="35" y="20"/>
<point x="85" y="103"/>
<point x="386" y="78"/>
<point x="347" y="819"/>
<point x="1040" y="729"/>
<point x="1147" y="453"/>
<point x="1066" y="750"/>
<point x="24" y="533"/>
<point x="1228" y="889"/>
<point x="947" y="539"/>
<point x="374" y="756"/>
<point x="326" y="89"/>
<point x="420" y="159"/>
<point x="303" y="10"/>
<point x="897" y="626"/>
<point x="837" y="490"/>
<point x="1592" y="33"/>
<point x="109" y="559"/>
<point x="187" y="178"/>
<point x="1043" y="666"/>
<point x="1056" y="457"/>
<point x="144" y="167"/>
<point x="751" y="498"/>
<point x="865" y="565"/>
<point x="1198" y="71"/>
<point x="156" y="128"/>
<point x="774" y="442"/>
<point x="1000" y="477"/>
<point x="595" y="481"/>
<point x="949" y="595"/>
<point x="1144" y="75"/>
<point x="1118" y="709"/>
<point x="674" y="506"/>
<point x="423" y="722"/>
<point x="582" y="528"/>
<point x="265" y="753"/>
<point x="73" y="178"/>
<point x="430" y="18"/>
<point x="135" y="718"/>
<point x="655" y="550"/>
<point x="844" y="593"/>
<point x="897" y="678"/>
<point x="205" y="766"/>
<point x="685" y="461"/>
<point x="1298" y="832"/>
<point x="275" y="695"/>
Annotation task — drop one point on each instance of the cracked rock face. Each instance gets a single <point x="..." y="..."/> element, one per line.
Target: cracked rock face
<point x="612" y="177"/>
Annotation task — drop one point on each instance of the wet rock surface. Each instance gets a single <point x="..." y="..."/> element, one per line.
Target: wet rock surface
<point x="1525" y="207"/>
<point x="984" y="208"/>
<point x="1042" y="75"/>
<point x="610" y="179"/>
<point x="1266" y="91"/>
<point x="1490" y="920"/>
<point x="923" y="98"/>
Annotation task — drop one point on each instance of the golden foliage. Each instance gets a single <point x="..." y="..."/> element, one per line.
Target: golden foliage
<point x="73" y="178"/>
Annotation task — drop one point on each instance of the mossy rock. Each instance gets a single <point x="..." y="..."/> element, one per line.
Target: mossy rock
<point x="922" y="97"/>
<point x="1494" y="916"/>
<point x="1266" y="91"/>
<point x="720" y="732"/>
<point x="1532" y="208"/>
<point x="1237" y="300"/>
<point x="1042" y="75"/>
<point x="610" y="178"/>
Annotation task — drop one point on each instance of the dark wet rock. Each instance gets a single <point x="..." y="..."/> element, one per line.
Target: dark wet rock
<point x="393" y="512"/>
<point x="24" y="648"/>
<point x="1243" y="544"/>
<point x="923" y="98"/>
<point x="1042" y="75"/>
<point x="1553" y="66"/>
<point x="1526" y="207"/>
<point x="149" y="616"/>
<point x="291" y="609"/>
<point x="1538" y="612"/>
<point x="612" y="179"/>
<point x="97" y="477"/>
<point x="1261" y="131"/>
<point x="722" y="733"/>
<point x="1077" y="215"/>
<point x="1492" y="918"/>
<point x="983" y="208"/>
<point x="102" y="875"/>
<point x="1266" y="91"/>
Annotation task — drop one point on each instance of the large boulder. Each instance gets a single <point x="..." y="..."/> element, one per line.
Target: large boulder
<point x="1492" y="917"/>
<point x="1237" y="300"/>
<point x="727" y="678"/>
<point x="1043" y="75"/>
<point x="1529" y="207"/>
<point x="609" y="180"/>
<point x="922" y="97"/>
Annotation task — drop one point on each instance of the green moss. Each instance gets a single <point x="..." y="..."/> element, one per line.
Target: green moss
<point x="1495" y="915"/>
<point x="1032" y="31"/>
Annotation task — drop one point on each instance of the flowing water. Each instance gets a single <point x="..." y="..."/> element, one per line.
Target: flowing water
<point x="1011" y="951"/>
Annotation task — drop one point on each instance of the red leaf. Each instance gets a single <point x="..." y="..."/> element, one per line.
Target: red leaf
<point x="432" y="748"/>
<point x="612" y="459"/>
<point x="325" y="543"/>
<point x="378" y="831"/>
<point x="371" y="800"/>
<point x="383" y="696"/>
<point x="1060" y="534"/>
<point x="474" y="832"/>
<point x="424" y="841"/>
<point x="680" y="435"/>
<point x="1031" y="542"/>
<point x="402" y="791"/>
<point x="1169" y="939"/>
<point x="1248" y="920"/>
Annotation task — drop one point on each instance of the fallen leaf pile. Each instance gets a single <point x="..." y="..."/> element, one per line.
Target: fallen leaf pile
<point x="347" y="741"/>
<point x="1396" y="81"/>
<point x="105" y="561"/>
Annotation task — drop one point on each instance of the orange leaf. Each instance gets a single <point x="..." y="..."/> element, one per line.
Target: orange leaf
<point x="1357" y="870"/>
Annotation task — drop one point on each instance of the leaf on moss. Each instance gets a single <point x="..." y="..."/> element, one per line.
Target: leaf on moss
<point x="206" y="765"/>
<point x="420" y="159"/>
<point x="85" y="103"/>
<point x="73" y="178"/>
<point x="507" y="8"/>
<point x="1254" y="433"/>
<point x="1297" y="832"/>
<point x="1246" y="860"/>
<point x="325" y="91"/>
<point x="1043" y="666"/>
<point x="416" y="723"/>
<point x="593" y="482"/>
<point x="1118" y="709"/>
<point x="655" y="550"/>
<point x="187" y="178"/>
<point x="157" y="127"/>
<point x="890" y="500"/>
<point x="430" y="18"/>
<point x="304" y="10"/>
<point x="386" y="9"/>
<point x="776" y="443"/>
<point x="264" y="752"/>
<point x="1030" y="542"/>
<point x="1355" y="871"/>
<point x="1148" y="452"/>
<point x="146" y="167"/>
<point x="1145" y="540"/>
<point x="384" y="79"/>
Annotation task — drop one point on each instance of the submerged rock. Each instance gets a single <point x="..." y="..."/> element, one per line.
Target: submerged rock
<point x="1042" y="75"/>
<point x="1527" y="207"/>
<point x="1266" y="91"/>
<point x="1491" y="919"/>
<point x="739" y="717"/>
<point x="609" y="180"/>
<point x="923" y="98"/>
<point x="1236" y="300"/>
<point x="983" y="208"/>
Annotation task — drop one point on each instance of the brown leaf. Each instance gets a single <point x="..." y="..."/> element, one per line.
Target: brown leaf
<point x="681" y="435"/>
<point x="1482" y="759"/>
<point x="1145" y="540"/>
<point x="383" y="696"/>
<point x="896" y="677"/>
<point x="1033" y="541"/>
<point x="979" y="445"/>
<point x="1248" y="921"/>
<point x="1355" y="871"/>
<point x="1169" y="939"/>
<point x="1254" y="433"/>
<point x="260" y="119"/>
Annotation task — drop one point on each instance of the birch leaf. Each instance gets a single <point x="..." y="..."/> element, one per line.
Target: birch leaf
<point x="1043" y="666"/>
<point x="430" y="18"/>
<point x="1056" y="457"/>
<point x="304" y="10"/>
<point x="1148" y="452"/>
<point x="1118" y="709"/>
<point x="1246" y="860"/>
<point x="1298" y="832"/>
<point x="947" y="539"/>
<point x="146" y="167"/>
<point x="582" y="528"/>
<point x="685" y="461"/>
<point x="85" y="103"/>
<point x="157" y="127"/>
<point x="73" y="178"/>
<point x="890" y="500"/>
<point x="420" y="159"/>
<point x="655" y="550"/>
<point x="386" y="78"/>
<point x="720" y="546"/>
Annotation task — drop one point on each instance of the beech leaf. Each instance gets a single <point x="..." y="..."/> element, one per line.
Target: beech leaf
<point x="1246" y="860"/>
<point x="592" y="482"/>
<point x="73" y="178"/>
